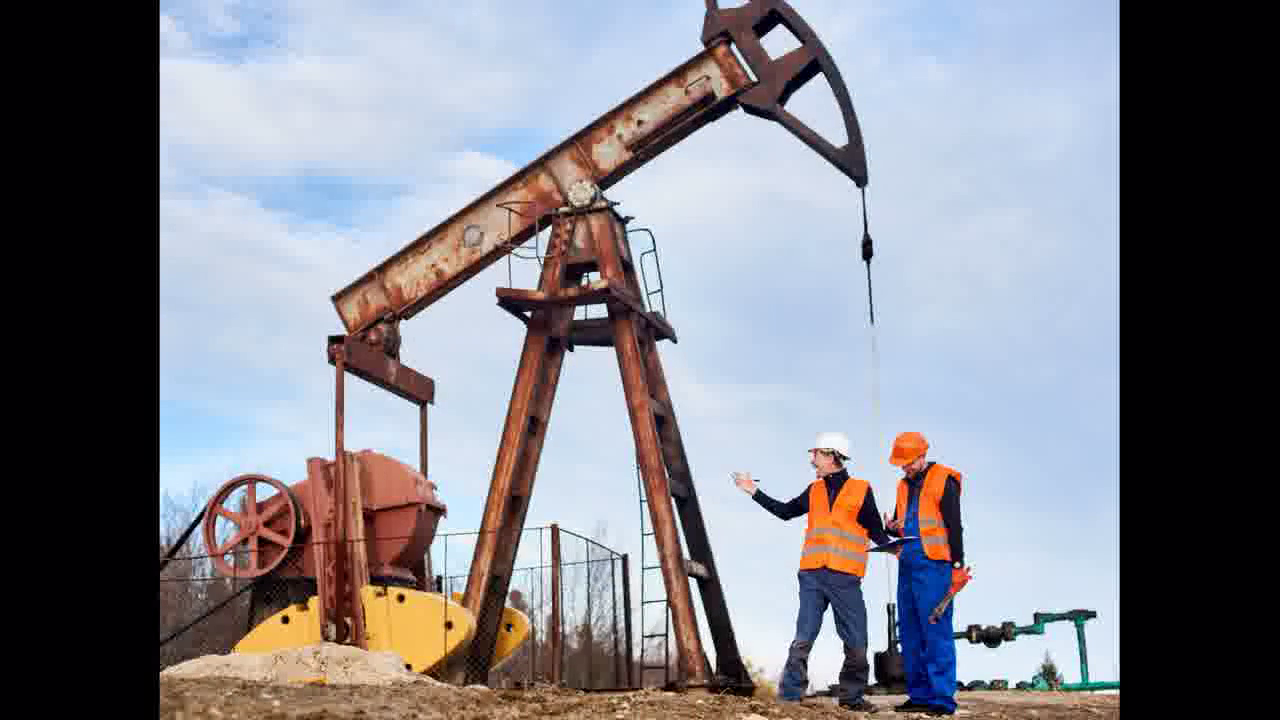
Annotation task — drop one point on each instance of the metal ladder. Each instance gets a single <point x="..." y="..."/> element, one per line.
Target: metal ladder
<point x="653" y="250"/>
<point x="646" y="601"/>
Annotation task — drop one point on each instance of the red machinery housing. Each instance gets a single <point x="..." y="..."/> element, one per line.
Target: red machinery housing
<point x="400" y="508"/>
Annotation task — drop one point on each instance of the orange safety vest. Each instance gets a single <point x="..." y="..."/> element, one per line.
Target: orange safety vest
<point x="933" y="533"/>
<point x="834" y="538"/>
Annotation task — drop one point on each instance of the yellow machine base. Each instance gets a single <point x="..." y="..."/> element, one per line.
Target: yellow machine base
<point x="512" y="633"/>
<point x="423" y="628"/>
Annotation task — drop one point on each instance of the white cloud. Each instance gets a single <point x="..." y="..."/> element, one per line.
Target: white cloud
<point x="172" y="37"/>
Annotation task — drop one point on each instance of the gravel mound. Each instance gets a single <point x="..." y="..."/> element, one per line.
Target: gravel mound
<point x="326" y="663"/>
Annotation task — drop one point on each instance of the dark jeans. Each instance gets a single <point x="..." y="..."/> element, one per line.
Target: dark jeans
<point x="843" y="592"/>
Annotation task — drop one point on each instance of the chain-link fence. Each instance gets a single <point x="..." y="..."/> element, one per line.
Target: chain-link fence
<point x="578" y="638"/>
<point x="205" y="612"/>
<point x="572" y="590"/>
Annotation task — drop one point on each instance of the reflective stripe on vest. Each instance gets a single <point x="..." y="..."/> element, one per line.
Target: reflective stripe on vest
<point x="821" y="552"/>
<point x="834" y="539"/>
<point x="933" y="532"/>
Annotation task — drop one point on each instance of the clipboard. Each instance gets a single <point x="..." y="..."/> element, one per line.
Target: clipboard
<point x="895" y="544"/>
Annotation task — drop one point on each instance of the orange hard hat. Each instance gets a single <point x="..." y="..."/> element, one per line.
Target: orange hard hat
<point x="907" y="447"/>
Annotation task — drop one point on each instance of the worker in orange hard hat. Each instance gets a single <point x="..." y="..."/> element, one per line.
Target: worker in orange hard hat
<point x="842" y="517"/>
<point x="929" y="566"/>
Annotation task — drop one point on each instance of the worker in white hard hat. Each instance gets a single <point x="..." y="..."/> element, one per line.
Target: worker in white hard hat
<point x="842" y="517"/>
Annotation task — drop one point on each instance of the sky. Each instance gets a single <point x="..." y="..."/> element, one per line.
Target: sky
<point x="301" y="143"/>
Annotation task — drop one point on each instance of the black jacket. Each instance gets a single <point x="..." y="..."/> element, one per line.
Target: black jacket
<point x="868" y="515"/>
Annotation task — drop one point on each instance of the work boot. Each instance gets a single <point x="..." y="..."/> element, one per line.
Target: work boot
<point x="863" y="705"/>
<point x="935" y="710"/>
<point x="911" y="706"/>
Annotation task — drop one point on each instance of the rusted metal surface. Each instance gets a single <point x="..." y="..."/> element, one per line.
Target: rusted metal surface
<point x="695" y="93"/>
<point x="422" y="439"/>
<point x="267" y="529"/>
<point x="439" y="260"/>
<point x="384" y="336"/>
<point x="528" y="413"/>
<point x="729" y="666"/>
<point x="343" y="597"/>
<point x="592" y="293"/>
<point x="399" y="518"/>
<point x="375" y="367"/>
<point x="422" y="569"/>
<point x="357" y="556"/>
<point x="557" y="646"/>
<point x="325" y="567"/>
<point x="403" y="511"/>
<point x="627" y="338"/>
<point x="777" y="79"/>
<point x="591" y="332"/>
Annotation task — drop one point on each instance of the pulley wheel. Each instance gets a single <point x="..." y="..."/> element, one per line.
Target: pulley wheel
<point x="267" y="529"/>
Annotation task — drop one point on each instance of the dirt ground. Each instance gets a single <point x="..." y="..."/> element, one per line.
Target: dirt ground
<point x="231" y="699"/>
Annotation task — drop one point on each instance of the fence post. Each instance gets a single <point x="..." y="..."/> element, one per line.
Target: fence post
<point x="626" y="617"/>
<point x="539" y="642"/>
<point x="557" y="640"/>
<point x="613" y="601"/>
<point x="591" y="626"/>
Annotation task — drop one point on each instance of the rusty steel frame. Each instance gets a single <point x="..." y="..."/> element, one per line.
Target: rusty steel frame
<point x="603" y="153"/>
<point x="583" y="243"/>
<point x="697" y="92"/>
<point x="520" y="449"/>
<point x="337" y="504"/>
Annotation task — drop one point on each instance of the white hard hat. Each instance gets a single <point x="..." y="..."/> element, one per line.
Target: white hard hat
<point x="837" y="441"/>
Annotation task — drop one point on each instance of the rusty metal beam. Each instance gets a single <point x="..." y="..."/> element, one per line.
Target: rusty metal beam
<point x="697" y="92"/>
<point x="627" y="336"/>
<point x="635" y="387"/>
<point x="519" y="451"/>
<point x="352" y="563"/>
<point x="322" y="547"/>
<point x="382" y="370"/>
<point x="597" y="332"/>
<point x="729" y="664"/>
<point x="591" y="332"/>
<point x="613" y="146"/>
<point x="422" y="438"/>
<point x="357" y="549"/>
<point x="489" y="616"/>
<point x="344" y="599"/>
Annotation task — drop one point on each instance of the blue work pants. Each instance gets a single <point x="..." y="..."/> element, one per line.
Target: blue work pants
<point x="928" y="650"/>
<point x="843" y="592"/>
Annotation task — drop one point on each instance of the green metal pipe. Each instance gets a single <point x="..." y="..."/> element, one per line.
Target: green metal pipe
<point x="1084" y="656"/>
<point x="1085" y="686"/>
